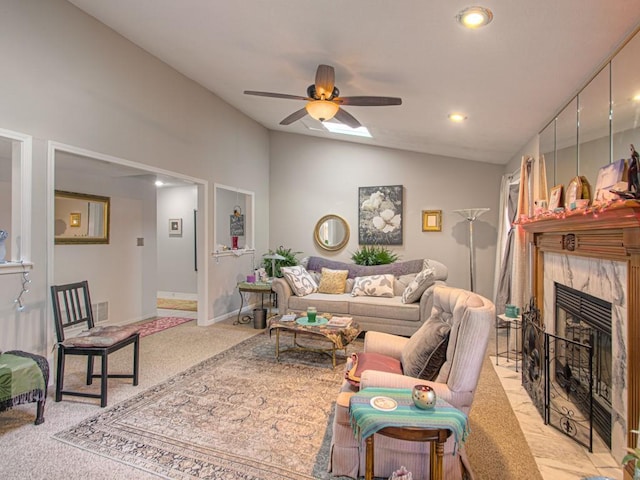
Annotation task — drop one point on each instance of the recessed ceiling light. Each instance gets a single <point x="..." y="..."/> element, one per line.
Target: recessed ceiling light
<point x="334" y="127"/>
<point x="474" y="17"/>
<point x="636" y="98"/>
<point x="159" y="183"/>
<point x="457" y="117"/>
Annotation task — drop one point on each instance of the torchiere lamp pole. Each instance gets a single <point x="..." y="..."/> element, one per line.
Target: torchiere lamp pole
<point x="471" y="214"/>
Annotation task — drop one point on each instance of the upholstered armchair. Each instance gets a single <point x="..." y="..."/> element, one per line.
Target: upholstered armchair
<point x="469" y="318"/>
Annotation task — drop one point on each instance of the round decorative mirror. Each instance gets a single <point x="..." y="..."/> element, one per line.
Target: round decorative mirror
<point x="332" y="232"/>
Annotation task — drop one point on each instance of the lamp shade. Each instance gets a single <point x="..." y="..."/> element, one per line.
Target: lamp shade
<point x="322" y="109"/>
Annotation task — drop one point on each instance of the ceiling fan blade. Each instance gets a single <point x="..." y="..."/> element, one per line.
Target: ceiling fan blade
<point x="297" y="115"/>
<point x="369" y="101"/>
<point x="275" y="95"/>
<point x="325" y="81"/>
<point x="346" y="118"/>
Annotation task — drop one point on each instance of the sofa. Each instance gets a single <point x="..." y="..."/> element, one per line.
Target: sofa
<point x="396" y="313"/>
<point x="448" y="360"/>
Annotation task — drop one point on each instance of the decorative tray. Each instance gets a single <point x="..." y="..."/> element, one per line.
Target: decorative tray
<point x="304" y="321"/>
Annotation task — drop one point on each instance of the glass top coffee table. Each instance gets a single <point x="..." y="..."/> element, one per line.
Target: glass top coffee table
<point x="339" y="337"/>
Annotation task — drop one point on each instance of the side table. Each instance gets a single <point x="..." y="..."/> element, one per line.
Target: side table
<point x="405" y="421"/>
<point x="508" y="324"/>
<point x="263" y="288"/>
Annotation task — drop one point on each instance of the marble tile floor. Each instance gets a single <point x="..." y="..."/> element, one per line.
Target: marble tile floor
<point x="557" y="456"/>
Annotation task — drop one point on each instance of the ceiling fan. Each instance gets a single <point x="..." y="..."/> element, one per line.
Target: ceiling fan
<point x="324" y="101"/>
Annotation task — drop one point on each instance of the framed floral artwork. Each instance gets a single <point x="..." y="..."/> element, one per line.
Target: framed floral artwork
<point x="555" y="197"/>
<point x="380" y="215"/>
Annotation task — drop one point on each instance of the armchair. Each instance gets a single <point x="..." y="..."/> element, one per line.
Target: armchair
<point x="470" y="317"/>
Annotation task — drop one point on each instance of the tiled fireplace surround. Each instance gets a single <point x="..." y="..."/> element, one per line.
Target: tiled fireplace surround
<point x="597" y="253"/>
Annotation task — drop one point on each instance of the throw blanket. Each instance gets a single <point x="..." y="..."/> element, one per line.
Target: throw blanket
<point x="23" y="378"/>
<point x="367" y="420"/>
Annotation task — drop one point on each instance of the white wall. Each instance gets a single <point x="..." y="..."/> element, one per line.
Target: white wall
<point x="70" y="79"/>
<point x="176" y="272"/>
<point x="312" y="177"/>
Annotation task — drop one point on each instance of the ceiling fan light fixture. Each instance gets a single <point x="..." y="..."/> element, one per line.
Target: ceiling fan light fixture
<point x="322" y="110"/>
<point x="474" y="17"/>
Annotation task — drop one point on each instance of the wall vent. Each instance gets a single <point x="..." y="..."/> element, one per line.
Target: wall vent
<point x="100" y="312"/>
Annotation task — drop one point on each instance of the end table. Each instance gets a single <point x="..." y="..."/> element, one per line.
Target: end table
<point x="263" y="288"/>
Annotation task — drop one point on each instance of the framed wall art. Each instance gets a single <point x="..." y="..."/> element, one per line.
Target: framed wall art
<point x="555" y="197"/>
<point x="380" y="215"/>
<point x="74" y="219"/>
<point x="175" y="227"/>
<point x="432" y="220"/>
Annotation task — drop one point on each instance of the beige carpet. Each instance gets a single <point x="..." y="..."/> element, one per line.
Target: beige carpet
<point x="496" y="445"/>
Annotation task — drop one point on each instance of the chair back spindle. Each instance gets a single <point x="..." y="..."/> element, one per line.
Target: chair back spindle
<point x="71" y="307"/>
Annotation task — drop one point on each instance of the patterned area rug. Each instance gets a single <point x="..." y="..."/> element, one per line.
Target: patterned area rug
<point x="175" y="304"/>
<point x="238" y="415"/>
<point x="162" y="323"/>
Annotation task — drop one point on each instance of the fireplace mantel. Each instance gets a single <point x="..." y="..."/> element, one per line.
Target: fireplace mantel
<point x="612" y="233"/>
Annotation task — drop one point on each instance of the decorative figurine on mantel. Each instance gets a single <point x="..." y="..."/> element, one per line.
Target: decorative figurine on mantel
<point x="3" y="249"/>
<point x="633" y="186"/>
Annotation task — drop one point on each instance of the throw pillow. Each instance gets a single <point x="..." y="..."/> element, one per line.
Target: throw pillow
<point x="401" y="283"/>
<point x="333" y="281"/>
<point x="299" y="280"/>
<point x="426" y="351"/>
<point x="370" y="361"/>
<point x="373" y="286"/>
<point x="416" y="288"/>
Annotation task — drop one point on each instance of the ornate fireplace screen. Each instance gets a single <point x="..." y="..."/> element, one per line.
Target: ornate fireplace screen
<point x="558" y="376"/>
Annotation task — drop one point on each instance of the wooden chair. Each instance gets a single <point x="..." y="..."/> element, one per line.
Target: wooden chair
<point x="72" y="309"/>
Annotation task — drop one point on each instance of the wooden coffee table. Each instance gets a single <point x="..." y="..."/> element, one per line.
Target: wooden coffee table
<point x="338" y="337"/>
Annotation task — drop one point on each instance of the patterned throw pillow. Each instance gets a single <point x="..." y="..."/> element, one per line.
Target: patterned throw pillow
<point x="416" y="288"/>
<point x="300" y="281"/>
<point x="426" y="351"/>
<point x="333" y="281"/>
<point x="373" y="286"/>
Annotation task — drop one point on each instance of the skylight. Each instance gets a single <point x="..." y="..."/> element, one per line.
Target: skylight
<point x="346" y="130"/>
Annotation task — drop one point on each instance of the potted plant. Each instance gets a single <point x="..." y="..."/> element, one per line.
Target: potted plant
<point x="288" y="260"/>
<point x="634" y="454"/>
<point x="373" y="255"/>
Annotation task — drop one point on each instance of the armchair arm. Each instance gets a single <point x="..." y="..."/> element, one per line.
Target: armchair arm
<point x="384" y="343"/>
<point x="373" y="378"/>
<point x="283" y="291"/>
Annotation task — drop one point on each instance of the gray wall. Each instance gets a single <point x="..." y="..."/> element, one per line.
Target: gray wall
<point x="70" y="79"/>
<point x="312" y="177"/>
<point x="176" y="272"/>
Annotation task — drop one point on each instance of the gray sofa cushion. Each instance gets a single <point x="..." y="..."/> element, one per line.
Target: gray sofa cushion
<point x="383" y="307"/>
<point x="425" y="352"/>
<point x="396" y="268"/>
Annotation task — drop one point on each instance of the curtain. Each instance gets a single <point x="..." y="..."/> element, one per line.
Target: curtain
<point x="509" y="193"/>
<point x="533" y="187"/>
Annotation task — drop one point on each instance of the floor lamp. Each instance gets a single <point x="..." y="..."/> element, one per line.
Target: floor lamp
<point x="472" y="214"/>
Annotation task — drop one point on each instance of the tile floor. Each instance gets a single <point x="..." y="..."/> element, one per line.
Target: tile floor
<point x="558" y="457"/>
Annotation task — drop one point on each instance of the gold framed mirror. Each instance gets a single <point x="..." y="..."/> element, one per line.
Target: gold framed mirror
<point x="81" y="218"/>
<point x="331" y="233"/>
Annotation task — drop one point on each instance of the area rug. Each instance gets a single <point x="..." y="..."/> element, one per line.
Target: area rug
<point x="176" y="304"/>
<point x="160" y="324"/>
<point x="238" y="415"/>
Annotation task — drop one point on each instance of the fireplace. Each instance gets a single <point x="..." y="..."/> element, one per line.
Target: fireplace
<point x="583" y="365"/>
<point x="597" y="252"/>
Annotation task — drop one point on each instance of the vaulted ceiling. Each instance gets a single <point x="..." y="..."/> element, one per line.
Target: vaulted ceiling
<point x="508" y="78"/>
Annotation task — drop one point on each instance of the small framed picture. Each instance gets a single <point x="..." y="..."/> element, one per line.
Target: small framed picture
<point x="432" y="220"/>
<point x="175" y="227"/>
<point x="608" y="177"/>
<point x="74" y="219"/>
<point x="555" y="197"/>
